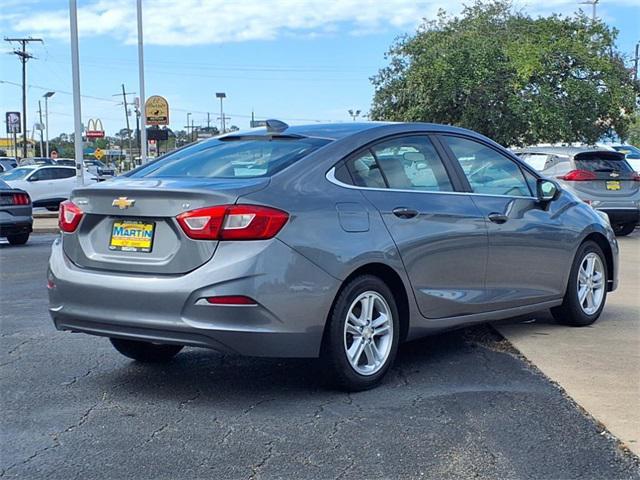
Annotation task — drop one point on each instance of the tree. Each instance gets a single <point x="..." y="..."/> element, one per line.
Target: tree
<point x="634" y="131"/>
<point x="516" y="79"/>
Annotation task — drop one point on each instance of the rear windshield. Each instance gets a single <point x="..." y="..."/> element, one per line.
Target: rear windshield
<point x="232" y="158"/>
<point x="602" y="163"/>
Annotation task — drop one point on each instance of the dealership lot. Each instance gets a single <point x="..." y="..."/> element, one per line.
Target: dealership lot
<point x="456" y="405"/>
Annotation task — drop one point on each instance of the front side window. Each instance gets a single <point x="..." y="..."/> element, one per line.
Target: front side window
<point x="232" y="158"/>
<point x="488" y="171"/>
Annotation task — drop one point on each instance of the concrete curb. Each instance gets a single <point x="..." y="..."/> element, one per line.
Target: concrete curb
<point x="45" y="230"/>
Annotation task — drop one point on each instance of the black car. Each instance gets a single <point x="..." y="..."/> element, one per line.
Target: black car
<point x="102" y="171"/>
<point x="16" y="219"/>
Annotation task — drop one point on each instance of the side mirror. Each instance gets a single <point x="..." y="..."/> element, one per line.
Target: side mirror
<point x="33" y="178"/>
<point x="546" y="190"/>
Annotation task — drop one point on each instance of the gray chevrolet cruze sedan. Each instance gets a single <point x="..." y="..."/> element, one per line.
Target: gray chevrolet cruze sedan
<point x="338" y="241"/>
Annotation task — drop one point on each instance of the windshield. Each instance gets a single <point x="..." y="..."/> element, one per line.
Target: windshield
<point x="232" y="158"/>
<point x="16" y="174"/>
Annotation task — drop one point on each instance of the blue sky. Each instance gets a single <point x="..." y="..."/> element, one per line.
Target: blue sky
<point x="296" y="60"/>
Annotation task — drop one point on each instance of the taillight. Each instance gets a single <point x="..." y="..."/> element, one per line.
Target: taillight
<point x="21" y="199"/>
<point x="69" y="216"/>
<point x="636" y="177"/>
<point x="578" y="176"/>
<point x="233" y="222"/>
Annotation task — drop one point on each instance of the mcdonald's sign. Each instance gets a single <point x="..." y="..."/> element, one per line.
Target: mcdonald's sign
<point x="94" y="129"/>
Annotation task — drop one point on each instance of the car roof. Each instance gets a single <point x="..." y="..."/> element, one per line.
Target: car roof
<point x="337" y="131"/>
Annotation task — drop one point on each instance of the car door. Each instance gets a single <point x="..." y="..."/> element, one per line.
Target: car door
<point x="441" y="235"/>
<point x="41" y="184"/>
<point x="528" y="253"/>
<point x="65" y="181"/>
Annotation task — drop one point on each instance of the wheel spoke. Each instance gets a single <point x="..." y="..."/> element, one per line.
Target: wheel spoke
<point x="583" y="276"/>
<point x="355" y="320"/>
<point x="591" y="265"/>
<point x="372" y="353"/>
<point x="380" y="321"/>
<point x="381" y="330"/>
<point x="582" y="294"/>
<point x="356" y="349"/>
<point x="367" y="308"/>
<point x="590" y="302"/>
<point x="353" y="330"/>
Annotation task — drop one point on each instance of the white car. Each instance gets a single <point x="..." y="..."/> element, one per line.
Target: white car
<point x="47" y="185"/>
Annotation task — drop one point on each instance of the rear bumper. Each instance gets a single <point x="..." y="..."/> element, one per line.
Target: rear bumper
<point x="16" y="227"/>
<point x="293" y="299"/>
<point x="622" y="216"/>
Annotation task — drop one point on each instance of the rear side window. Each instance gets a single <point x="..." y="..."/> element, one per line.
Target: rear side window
<point x="404" y="163"/>
<point x="232" y="158"/>
<point x="412" y="163"/>
<point x="488" y="171"/>
<point x="602" y="162"/>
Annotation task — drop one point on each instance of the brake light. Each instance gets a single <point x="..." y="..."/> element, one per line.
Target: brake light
<point x="578" y="176"/>
<point x="233" y="222"/>
<point x="21" y="199"/>
<point x="636" y="177"/>
<point x="69" y="216"/>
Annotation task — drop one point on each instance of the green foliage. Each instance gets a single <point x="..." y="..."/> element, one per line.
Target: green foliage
<point x="517" y="79"/>
<point x="634" y="132"/>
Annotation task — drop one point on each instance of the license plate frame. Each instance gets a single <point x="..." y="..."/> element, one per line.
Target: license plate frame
<point x="613" y="185"/>
<point x="124" y="243"/>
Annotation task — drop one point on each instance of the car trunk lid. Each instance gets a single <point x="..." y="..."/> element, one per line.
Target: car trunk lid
<point x="608" y="175"/>
<point x="124" y="205"/>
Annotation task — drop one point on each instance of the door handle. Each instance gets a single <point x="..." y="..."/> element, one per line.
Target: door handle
<point x="404" y="212"/>
<point x="498" y="217"/>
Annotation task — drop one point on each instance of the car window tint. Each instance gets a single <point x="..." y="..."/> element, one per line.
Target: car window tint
<point x="602" y="162"/>
<point x="412" y="163"/>
<point x="232" y="158"/>
<point x="65" y="173"/>
<point x="43" y="174"/>
<point x="488" y="171"/>
<point x="365" y="172"/>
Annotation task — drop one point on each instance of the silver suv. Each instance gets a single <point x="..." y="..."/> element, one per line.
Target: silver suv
<point x="601" y="178"/>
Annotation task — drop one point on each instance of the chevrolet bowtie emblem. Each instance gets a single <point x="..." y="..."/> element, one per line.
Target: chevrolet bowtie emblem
<point x="122" y="203"/>
<point x="614" y="174"/>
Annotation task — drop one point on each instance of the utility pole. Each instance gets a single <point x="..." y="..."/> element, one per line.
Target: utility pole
<point x="126" y="113"/>
<point x="635" y="63"/>
<point x="221" y="96"/>
<point x="143" y="133"/>
<point x="24" y="56"/>
<point x="77" y="102"/>
<point x="47" y="96"/>
<point x="41" y="126"/>
<point x="208" y="121"/>
<point x="593" y="4"/>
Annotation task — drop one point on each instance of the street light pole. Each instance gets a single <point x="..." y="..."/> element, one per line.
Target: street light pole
<point x="221" y="95"/>
<point x="354" y="114"/>
<point x="75" y="70"/>
<point x="47" y="96"/>
<point x="143" y="132"/>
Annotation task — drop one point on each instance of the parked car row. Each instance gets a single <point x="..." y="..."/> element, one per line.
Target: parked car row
<point x="47" y="185"/>
<point x="602" y="178"/>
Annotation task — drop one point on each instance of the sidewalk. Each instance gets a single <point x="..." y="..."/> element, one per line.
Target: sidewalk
<point x="598" y="366"/>
<point x="45" y="222"/>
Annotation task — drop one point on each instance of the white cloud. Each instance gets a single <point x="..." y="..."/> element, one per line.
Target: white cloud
<point x="200" y="22"/>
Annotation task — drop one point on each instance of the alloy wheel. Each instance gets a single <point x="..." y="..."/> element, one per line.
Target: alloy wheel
<point x="591" y="283"/>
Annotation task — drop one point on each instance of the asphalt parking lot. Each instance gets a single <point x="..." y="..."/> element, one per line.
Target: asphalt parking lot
<point x="457" y="405"/>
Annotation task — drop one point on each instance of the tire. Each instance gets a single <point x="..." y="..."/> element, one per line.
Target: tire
<point x="624" y="229"/>
<point x="18" y="239"/>
<point x="573" y="311"/>
<point x="340" y="338"/>
<point x="145" y="351"/>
